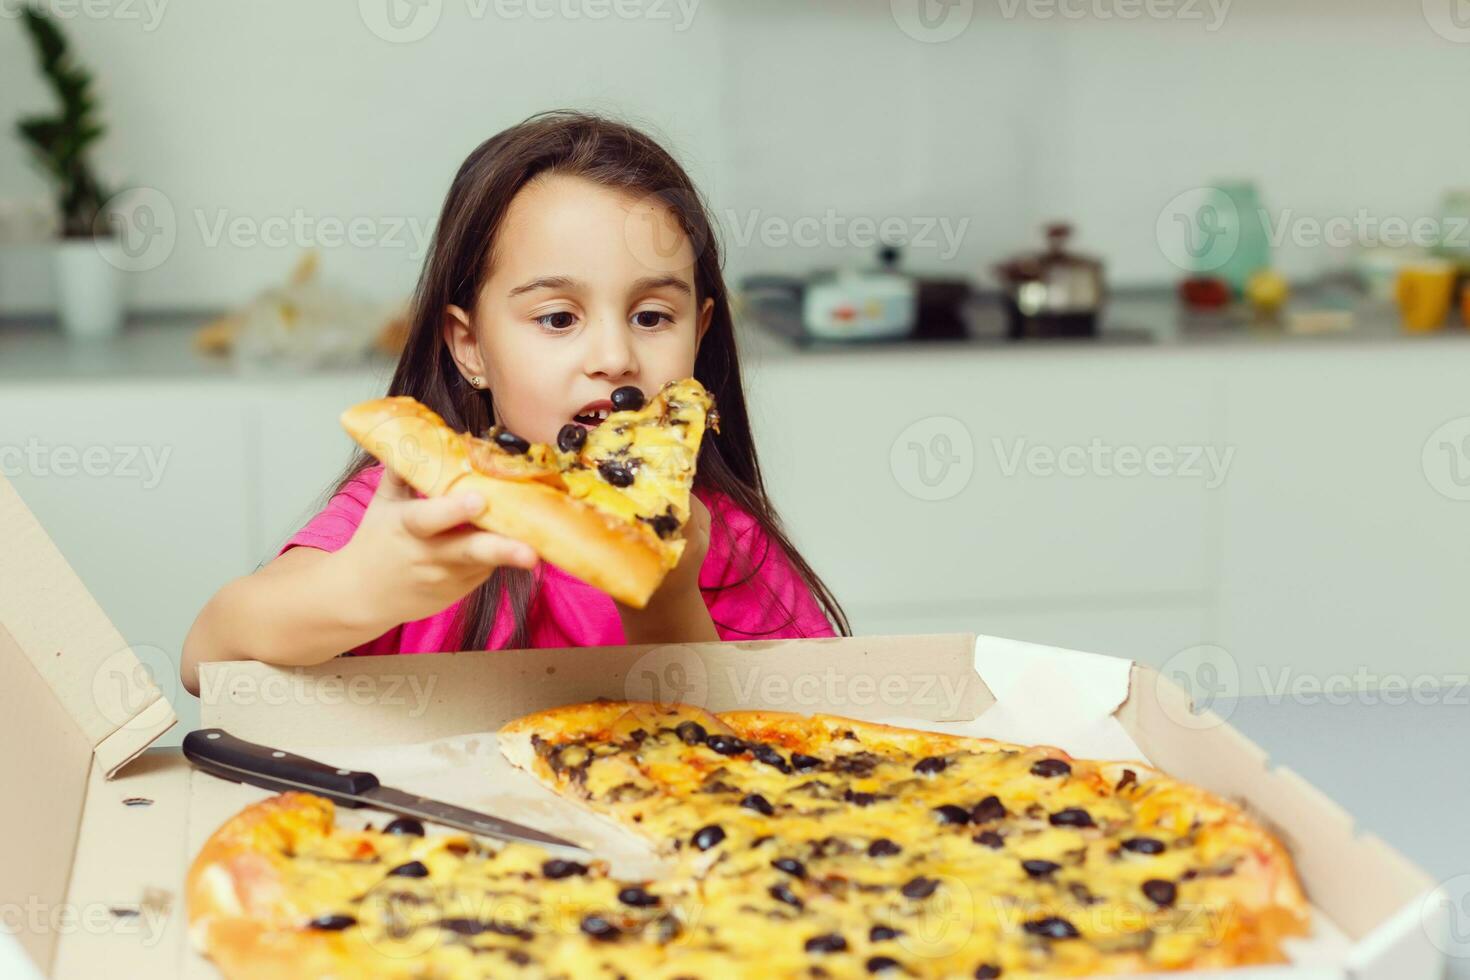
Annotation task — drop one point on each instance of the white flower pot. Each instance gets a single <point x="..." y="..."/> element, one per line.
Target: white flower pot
<point x="89" y="287"/>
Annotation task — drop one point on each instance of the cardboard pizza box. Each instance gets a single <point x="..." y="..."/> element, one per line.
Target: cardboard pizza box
<point x="100" y="830"/>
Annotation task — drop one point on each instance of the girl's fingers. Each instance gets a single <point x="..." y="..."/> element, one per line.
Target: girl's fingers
<point x="435" y="515"/>
<point x="485" y="548"/>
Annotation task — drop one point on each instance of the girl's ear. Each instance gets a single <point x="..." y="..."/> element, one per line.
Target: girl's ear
<point x="706" y="316"/>
<point x="459" y="337"/>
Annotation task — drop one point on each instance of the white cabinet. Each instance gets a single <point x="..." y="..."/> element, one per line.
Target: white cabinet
<point x="1336" y="550"/>
<point x="146" y="490"/>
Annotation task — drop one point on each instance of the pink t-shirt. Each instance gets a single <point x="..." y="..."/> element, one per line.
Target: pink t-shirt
<point x="567" y="612"/>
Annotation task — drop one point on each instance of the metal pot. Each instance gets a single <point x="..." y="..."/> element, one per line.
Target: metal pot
<point x="1052" y="293"/>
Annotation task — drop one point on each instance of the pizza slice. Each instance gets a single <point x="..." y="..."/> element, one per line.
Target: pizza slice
<point x="606" y="504"/>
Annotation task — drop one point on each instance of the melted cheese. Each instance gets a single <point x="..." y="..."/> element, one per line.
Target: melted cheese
<point x="843" y="867"/>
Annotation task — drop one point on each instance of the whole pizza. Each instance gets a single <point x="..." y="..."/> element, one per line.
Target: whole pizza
<point x="799" y="846"/>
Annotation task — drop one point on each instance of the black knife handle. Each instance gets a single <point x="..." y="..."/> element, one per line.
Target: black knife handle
<point x="220" y="753"/>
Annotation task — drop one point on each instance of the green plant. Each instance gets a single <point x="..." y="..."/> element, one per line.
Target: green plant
<point x="61" y="142"/>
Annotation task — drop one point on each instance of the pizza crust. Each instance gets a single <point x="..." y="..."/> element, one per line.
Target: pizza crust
<point x="234" y="892"/>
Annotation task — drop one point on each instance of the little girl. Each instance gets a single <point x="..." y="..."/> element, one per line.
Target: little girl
<point x="573" y="256"/>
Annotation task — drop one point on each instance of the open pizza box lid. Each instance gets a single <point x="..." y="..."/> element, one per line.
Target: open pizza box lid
<point x="96" y="843"/>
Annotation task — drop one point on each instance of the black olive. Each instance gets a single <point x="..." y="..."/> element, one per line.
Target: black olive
<point x="920" y="887"/>
<point x="1072" y="816"/>
<point x="627" y="399"/>
<point x="600" y="929"/>
<point x="707" y="837"/>
<point x="473" y="927"/>
<point x="664" y="525"/>
<point x="1052" y="927"/>
<point x="557" y="868"/>
<point x="511" y="442"/>
<point x="1038" y="868"/>
<point x="879" y="934"/>
<point x="639" y="898"/>
<point x="829" y="943"/>
<point x="691" y="732"/>
<point x="987" y="810"/>
<point x="949" y="813"/>
<point x="768" y="755"/>
<point x="1160" y="892"/>
<point x="413" y="869"/>
<point x="615" y="473"/>
<point x="331" y="923"/>
<point x="987" y="971"/>
<point x="726" y="744"/>
<point x="1144" y="845"/>
<point x="758" y="803"/>
<point x="930" y="765"/>
<point x="880" y="964"/>
<point x="801" y="760"/>
<point x="883" y="847"/>
<point x="860" y="799"/>
<point x="782" y="892"/>
<point x="571" y="438"/>
<point x="791" y="866"/>
<point x="1050" y="768"/>
<point x="405" y="825"/>
<point x="990" y="839"/>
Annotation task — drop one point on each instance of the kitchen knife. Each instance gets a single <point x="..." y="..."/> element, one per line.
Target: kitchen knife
<point x="218" y="752"/>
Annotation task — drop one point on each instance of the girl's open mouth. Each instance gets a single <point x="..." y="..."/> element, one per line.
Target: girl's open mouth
<point x="594" y="414"/>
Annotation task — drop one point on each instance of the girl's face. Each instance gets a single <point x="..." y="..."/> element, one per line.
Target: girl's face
<point x="589" y="289"/>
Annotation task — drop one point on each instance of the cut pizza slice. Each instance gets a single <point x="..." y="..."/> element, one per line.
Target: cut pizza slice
<point x="607" y="505"/>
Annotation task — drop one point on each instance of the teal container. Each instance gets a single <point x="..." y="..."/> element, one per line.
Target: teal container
<point x="1242" y="224"/>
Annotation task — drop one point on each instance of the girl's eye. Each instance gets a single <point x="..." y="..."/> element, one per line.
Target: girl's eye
<point x="561" y="320"/>
<point x="651" y="318"/>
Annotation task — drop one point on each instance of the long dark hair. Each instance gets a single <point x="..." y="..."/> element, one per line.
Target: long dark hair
<point x="618" y="156"/>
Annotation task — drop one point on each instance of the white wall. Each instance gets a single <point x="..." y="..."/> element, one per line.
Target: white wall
<point x="781" y="110"/>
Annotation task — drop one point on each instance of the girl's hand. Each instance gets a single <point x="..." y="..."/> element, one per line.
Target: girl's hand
<point x="411" y="558"/>
<point x="676" y="612"/>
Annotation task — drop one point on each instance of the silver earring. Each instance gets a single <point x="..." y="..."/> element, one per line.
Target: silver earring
<point x="477" y="381"/>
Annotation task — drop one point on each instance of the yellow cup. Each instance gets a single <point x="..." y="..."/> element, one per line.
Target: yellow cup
<point x="1425" y="291"/>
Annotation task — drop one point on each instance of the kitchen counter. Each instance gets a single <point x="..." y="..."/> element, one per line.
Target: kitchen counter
<point x="159" y="346"/>
<point x="151" y="347"/>
<point x="1133" y="319"/>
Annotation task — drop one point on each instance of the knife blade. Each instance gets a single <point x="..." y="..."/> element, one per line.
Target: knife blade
<point x="216" y="751"/>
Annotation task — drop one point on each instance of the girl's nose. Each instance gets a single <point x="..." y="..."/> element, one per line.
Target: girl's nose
<point x="610" y="350"/>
